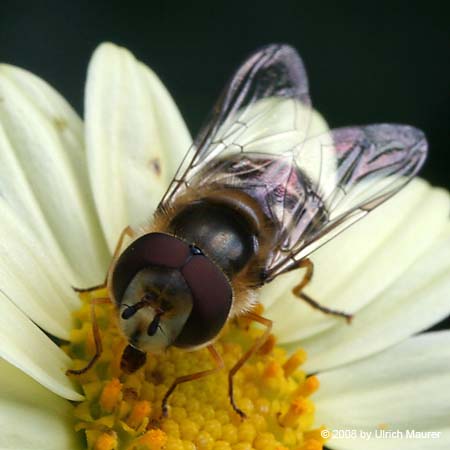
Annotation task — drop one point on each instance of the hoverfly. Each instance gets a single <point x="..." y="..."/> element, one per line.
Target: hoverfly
<point x="256" y="193"/>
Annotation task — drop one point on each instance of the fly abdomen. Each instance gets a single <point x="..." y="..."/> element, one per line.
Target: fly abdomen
<point x="220" y="231"/>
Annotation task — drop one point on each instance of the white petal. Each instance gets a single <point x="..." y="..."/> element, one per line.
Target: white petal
<point x="31" y="417"/>
<point x="43" y="174"/>
<point x="413" y="303"/>
<point x="30" y="276"/>
<point x="409" y="306"/>
<point x="135" y="138"/>
<point x="29" y="349"/>
<point x="358" y="266"/>
<point x="404" y="388"/>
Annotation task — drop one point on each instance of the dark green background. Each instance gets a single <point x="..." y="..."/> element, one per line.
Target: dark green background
<point x="368" y="62"/>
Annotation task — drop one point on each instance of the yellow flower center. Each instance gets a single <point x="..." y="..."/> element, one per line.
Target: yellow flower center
<point x="123" y="411"/>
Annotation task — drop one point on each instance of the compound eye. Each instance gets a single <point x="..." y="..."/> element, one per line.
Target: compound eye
<point x="153" y="249"/>
<point x="212" y="296"/>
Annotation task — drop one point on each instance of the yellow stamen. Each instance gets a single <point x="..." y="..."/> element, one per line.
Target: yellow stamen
<point x="311" y="444"/>
<point x="272" y="370"/>
<point x="310" y="386"/>
<point x="111" y="395"/>
<point x="151" y="440"/>
<point x="106" y="441"/>
<point x="292" y="364"/>
<point x="123" y="411"/>
<point x="268" y="346"/>
<point x="299" y="408"/>
<point x="316" y="435"/>
<point x="141" y="410"/>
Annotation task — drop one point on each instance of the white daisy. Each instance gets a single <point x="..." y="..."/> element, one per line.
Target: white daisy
<point x="67" y="190"/>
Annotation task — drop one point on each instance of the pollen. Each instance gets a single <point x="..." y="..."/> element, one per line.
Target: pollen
<point x="123" y="411"/>
<point x="111" y="395"/>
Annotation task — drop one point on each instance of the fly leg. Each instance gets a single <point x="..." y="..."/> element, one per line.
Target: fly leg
<point x="127" y="231"/>
<point x="96" y="334"/>
<point x="248" y="354"/>
<point x="219" y="365"/>
<point x="99" y="296"/>
<point x="297" y="291"/>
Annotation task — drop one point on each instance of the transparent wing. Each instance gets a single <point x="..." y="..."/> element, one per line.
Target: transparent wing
<point x="372" y="164"/>
<point x="312" y="188"/>
<point x="265" y="108"/>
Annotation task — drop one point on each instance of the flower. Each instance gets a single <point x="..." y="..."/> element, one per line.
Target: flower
<point x="66" y="193"/>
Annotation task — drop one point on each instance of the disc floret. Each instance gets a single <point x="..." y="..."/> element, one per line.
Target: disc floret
<point x="123" y="411"/>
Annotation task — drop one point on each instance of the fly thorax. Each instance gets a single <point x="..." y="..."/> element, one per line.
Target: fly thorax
<point x="221" y="232"/>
